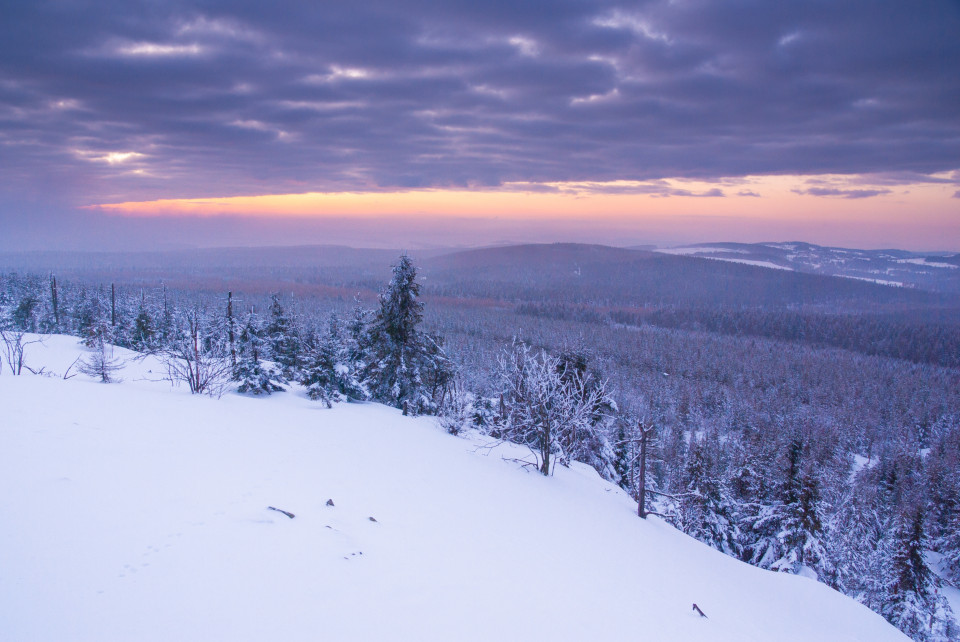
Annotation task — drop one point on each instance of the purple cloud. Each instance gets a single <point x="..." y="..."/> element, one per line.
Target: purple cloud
<point x="225" y="98"/>
<point x="842" y="193"/>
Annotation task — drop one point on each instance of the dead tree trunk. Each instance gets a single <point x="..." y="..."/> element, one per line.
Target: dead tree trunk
<point x="54" y="301"/>
<point x="113" y="306"/>
<point x="642" y="478"/>
<point x="233" y="349"/>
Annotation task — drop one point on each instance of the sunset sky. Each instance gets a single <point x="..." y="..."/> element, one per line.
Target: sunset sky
<point x="409" y="124"/>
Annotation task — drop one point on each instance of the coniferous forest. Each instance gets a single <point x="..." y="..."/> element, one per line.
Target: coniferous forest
<point x="806" y="425"/>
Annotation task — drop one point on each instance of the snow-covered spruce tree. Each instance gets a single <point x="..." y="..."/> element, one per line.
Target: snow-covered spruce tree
<point x="254" y="378"/>
<point x="913" y="602"/>
<point x="24" y="314"/>
<point x="786" y="535"/>
<point x="705" y="509"/>
<point x="357" y="336"/>
<point x="143" y="334"/>
<point x="405" y="368"/>
<point x="543" y="411"/>
<point x="328" y="374"/>
<point x="94" y="322"/>
<point x="852" y="534"/>
<point x="950" y="546"/>
<point x="283" y="340"/>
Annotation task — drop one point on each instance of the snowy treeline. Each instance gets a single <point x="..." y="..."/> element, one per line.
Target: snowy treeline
<point x="747" y="455"/>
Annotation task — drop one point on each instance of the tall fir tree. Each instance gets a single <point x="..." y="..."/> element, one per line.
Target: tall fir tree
<point x="405" y="368"/>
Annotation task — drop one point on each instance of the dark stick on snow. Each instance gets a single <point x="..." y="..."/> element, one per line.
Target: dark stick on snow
<point x="290" y="515"/>
<point x="697" y="609"/>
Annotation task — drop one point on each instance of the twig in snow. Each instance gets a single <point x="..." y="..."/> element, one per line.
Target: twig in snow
<point x="288" y="514"/>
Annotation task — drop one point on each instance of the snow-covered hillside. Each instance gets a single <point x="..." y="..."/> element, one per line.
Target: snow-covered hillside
<point x="938" y="272"/>
<point x="135" y="511"/>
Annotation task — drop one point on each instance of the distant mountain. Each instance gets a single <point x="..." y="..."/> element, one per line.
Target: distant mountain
<point x="933" y="272"/>
<point x="608" y="276"/>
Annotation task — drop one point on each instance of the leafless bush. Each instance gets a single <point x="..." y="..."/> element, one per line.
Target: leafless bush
<point x="203" y="367"/>
<point x="14" y="345"/>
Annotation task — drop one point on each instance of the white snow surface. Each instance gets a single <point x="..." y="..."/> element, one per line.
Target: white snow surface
<point x="765" y="264"/>
<point x="896" y="284"/>
<point x="925" y="263"/>
<point x="135" y="511"/>
<point x="700" y="252"/>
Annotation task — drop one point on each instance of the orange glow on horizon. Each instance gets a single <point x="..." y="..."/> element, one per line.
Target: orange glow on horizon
<point x="764" y="199"/>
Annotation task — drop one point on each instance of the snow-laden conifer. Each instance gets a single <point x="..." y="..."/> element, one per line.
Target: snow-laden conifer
<point x="404" y="367"/>
<point x="282" y="340"/>
<point x="328" y="373"/>
<point x="253" y="376"/>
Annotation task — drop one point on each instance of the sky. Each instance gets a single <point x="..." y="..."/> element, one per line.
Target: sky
<point x="169" y="124"/>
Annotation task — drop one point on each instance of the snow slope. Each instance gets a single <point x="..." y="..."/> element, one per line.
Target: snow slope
<point x="136" y="511"/>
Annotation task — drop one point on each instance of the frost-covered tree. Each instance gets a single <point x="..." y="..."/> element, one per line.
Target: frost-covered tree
<point x="328" y="374"/>
<point x="950" y="546"/>
<point x="143" y="334"/>
<point x="705" y="509"/>
<point x="193" y="356"/>
<point x="24" y="315"/>
<point x="283" y="340"/>
<point x="853" y="533"/>
<point x="253" y="376"/>
<point x="913" y="602"/>
<point x="545" y="407"/>
<point x="357" y="337"/>
<point x="405" y="367"/>
<point x="590" y="444"/>
<point x="101" y="363"/>
<point x="785" y="535"/>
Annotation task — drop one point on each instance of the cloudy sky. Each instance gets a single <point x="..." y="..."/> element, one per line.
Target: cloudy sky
<point x="404" y="123"/>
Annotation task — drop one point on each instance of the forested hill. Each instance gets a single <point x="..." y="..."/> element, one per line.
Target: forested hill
<point x="600" y="275"/>
<point x="634" y="287"/>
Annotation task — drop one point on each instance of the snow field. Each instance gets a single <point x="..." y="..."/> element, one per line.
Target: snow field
<point x="136" y="511"/>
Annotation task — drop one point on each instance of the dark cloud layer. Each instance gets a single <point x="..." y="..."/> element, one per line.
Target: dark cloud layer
<point x="106" y="101"/>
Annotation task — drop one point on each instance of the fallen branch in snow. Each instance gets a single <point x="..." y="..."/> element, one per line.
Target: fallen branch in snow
<point x="523" y="462"/>
<point x="290" y="515"/>
<point x="67" y="375"/>
<point x="697" y="609"/>
<point x="487" y="447"/>
<point x="666" y="517"/>
<point x="675" y="497"/>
